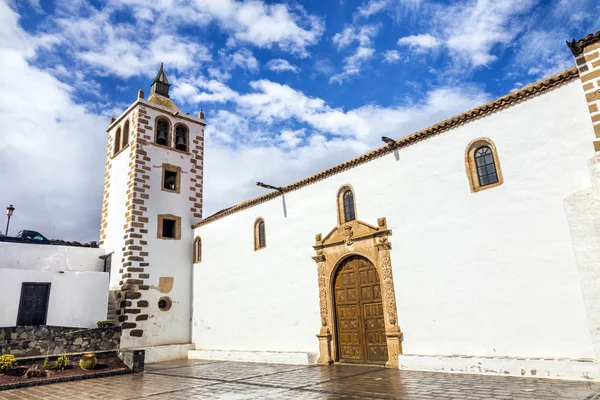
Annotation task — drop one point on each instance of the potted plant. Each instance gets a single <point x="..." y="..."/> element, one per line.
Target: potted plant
<point x="87" y="361"/>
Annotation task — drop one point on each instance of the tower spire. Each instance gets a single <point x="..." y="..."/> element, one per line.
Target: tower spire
<point x="161" y="83"/>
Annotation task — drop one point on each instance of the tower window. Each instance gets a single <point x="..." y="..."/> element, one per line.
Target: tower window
<point x="125" y="133"/>
<point x="483" y="166"/>
<point x="169" y="227"/>
<point x="162" y="132"/>
<point x="181" y="137"/>
<point x="117" y="141"/>
<point x="168" y="230"/>
<point x="171" y="178"/>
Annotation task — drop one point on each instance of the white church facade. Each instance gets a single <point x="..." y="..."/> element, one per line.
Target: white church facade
<point x="469" y="246"/>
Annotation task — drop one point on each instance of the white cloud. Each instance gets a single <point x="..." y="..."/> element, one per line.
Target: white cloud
<point x="471" y="31"/>
<point x="363" y="35"/>
<point x="372" y="7"/>
<point x="420" y="42"/>
<point x="292" y="138"/>
<point x="266" y="25"/>
<point x="352" y="64"/>
<point x="280" y="65"/>
<point x="392" y="56"/>
<point x="244" y="59"/>
<point x="202" y="90"/>
<point x="219" y="74"/>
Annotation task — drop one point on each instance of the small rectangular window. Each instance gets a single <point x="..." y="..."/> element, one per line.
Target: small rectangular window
<point x="168" y="230"/>
<point x="169" y="227"/>
<point x="171" y="178"/>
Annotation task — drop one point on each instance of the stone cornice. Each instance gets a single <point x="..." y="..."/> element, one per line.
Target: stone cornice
<point x="491" y="107"/>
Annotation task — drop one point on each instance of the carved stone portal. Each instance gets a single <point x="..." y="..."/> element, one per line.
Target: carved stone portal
<point x="355" y="238"/>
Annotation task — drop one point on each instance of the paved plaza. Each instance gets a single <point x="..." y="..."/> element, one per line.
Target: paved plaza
<point x="197" y="379"/>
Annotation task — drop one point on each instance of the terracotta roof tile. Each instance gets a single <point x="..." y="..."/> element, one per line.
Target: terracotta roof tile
<point x="577" y="46"/>
<point x="496" y="105"/>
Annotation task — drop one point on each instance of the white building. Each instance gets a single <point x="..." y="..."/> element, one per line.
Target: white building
<point x="468" y="246"/>
<point x="40" y="282"/>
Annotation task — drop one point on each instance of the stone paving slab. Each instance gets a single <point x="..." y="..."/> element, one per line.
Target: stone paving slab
<point x="203" y="379"/>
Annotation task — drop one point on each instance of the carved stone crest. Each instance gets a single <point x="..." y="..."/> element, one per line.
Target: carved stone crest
<point x="348" y="234"/>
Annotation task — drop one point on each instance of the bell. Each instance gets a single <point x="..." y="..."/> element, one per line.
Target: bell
<point x="180" y="143"/>
<point x="162" y="138"/>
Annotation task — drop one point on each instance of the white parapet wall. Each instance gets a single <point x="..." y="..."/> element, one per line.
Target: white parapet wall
<point x="552" y="368"/>
<point x="48" y="257"/>
<point x="77" y="299"/>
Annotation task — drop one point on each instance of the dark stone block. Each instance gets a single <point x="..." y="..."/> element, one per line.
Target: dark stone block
<point x="143" y="317"/>
<point x="142" y="303"/>
<point x="136" y="333"/>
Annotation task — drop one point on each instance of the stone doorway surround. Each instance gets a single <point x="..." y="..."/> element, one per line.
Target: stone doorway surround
<point x="362" y="239"/>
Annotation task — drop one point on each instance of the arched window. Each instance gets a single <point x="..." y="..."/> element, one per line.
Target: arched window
<point x="483" y="166"/>
<point x="346" y="204"/>
<point x="197" y="250"/>
<point x="181" y="137"/>
<point x="125" y="134"/>
<point x="260" y="240"/>
<point x="162" y="132"/>
<point x="117" y="140"/>
<point x="349" y="206"/>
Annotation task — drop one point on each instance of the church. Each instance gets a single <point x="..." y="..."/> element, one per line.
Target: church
<point x="469" y="246"/>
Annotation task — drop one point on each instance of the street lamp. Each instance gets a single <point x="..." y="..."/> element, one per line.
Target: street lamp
<point x="9" y="211"/>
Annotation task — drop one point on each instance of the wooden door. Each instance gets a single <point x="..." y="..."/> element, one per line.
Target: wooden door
<point x="360" y="328"/>
<point x="33" y="307"/>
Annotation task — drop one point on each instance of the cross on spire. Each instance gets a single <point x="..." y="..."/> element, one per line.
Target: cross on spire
<point x="161" y="83"/>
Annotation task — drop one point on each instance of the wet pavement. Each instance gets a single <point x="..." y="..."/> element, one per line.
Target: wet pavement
<point x="197" y="379"/>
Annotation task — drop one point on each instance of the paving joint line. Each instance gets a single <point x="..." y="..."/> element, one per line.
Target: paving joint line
<point x="341" y="378"/>
<point x="170" y="391"/>
<point x="184" y="366"/>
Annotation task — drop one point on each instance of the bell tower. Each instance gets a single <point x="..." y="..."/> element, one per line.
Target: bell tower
<point x="152" y="197"/>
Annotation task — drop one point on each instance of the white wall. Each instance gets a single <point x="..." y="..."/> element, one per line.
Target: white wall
<point x="47" y="257"/>
<point x="77" y="299"/>
<point x="117" y="199"/>
<point x="490" y="273"/>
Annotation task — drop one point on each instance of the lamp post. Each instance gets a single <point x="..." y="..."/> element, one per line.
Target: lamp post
<point x="9" y="211"/>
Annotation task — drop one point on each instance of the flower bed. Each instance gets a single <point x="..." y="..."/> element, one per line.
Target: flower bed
<point x="108" y="363"/>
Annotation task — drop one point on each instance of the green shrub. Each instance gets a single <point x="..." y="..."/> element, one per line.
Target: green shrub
<point x="7" y="361"/>
<point x="46" y="363"/>
<point x="107" y="323"/>
<point x="34" y="372"/>
<point x="61" y="362"/>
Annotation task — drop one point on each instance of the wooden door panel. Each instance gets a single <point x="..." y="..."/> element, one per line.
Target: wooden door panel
<point x="359" y="313"/>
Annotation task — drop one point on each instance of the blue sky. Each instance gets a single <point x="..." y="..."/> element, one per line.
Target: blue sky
<point x="288" y="88"/>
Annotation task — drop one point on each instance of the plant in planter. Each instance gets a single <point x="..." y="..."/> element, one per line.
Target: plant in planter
<point x="61" y="362"/>
<point x="87" y="361"/>
<point x="46" y="363"/>
<point x="107" y="323"/>
<point x="34" y="372"/>
<point x="7" y="361"/>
